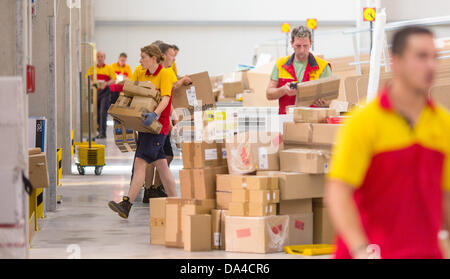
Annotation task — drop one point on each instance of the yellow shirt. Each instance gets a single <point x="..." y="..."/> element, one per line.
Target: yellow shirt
<point x="162" y="79"/>
<point x="125" y="70"/>
<point x="105" y="73"/>
<point x="174" y="68"/>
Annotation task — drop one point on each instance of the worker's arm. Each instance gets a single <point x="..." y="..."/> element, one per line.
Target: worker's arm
<point x="274" y="93"/>
<point x="183" y="81"/>
<point x="345" y="217"/>
<point x="162" y="105"/>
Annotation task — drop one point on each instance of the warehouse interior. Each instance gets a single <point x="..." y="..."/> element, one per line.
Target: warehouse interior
<point x="228" y="49"/>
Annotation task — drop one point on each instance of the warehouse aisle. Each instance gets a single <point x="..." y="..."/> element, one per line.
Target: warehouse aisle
<point x="83" y="222"/>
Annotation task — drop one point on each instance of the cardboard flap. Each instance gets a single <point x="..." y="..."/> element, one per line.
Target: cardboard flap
<point x="310" y="91"/>
<point x="199" y="93"/>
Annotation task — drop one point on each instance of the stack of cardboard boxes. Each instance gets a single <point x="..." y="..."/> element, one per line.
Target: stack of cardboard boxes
<point x="233" y="86"/>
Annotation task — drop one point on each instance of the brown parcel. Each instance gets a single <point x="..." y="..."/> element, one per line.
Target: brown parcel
<point x="231" y="89"/>
<point x="305" y="160"/>
<point x="176" y="209"/>
<point x="218" y="228"/>
<point x="131" y="118"/>
<point x="256" y="234"/>
<point x="206" y="155"/>
<point x="261" y="209"/>
<point x="205" y="182"/>
<point x="157" y="221"/>
<point x="238" y="209"/>
<point x="197" y="233"/>
<point x="187" y="183"/>
<point x="223" y="200"/>
<point x="324" y="88"/>
<point x="295" y="206"/>
<point x="260" y="196"/>
<point x="187" y="154"/>
<point x="252" y="182"/>
<point x="240" y="195"/>
<point x="38" y="171"/>
<point x="307" y="133"/>
<point x="312" y="115"/>
<point x="323" y="228"/>
<point x="140" y="88"/>
<point x="301" y="229"/>
<point x="224" y="182"/>
<point x="199" y="92"/>
<point x="294" y="185"/>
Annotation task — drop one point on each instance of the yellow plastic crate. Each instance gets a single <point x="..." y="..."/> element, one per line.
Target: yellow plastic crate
<point x="310" y="250"/>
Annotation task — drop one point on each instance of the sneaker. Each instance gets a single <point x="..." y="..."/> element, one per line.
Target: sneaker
<point x="122" y="208"/>
<point x="161" y="191"/>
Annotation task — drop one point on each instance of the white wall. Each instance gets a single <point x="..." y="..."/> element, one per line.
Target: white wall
<point x="215" y="35"/>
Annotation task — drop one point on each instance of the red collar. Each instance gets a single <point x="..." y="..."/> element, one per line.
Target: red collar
<point x="386" y="103"/>
<point x="156" y="72"/>
<point x="98" y="66"/>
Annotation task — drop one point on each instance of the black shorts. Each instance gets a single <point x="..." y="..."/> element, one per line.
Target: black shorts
<point x="150" y="147"/>
<point x="168" y="147"/>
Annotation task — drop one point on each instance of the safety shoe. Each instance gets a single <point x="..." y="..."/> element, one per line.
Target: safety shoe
<point x="161" y="191"/>
<point x="122" y="208"/>
<point x="153" y="192"/>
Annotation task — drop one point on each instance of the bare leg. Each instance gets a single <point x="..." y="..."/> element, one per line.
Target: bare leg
<point x="149" y="174"/>
<point x="157" y="178"/>
<point x="166" y="177"/>
<point x="138" y="180"/>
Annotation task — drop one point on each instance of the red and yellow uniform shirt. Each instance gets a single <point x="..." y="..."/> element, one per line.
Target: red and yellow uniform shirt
<point x="399" y="173"/>
<point x="104" y="73"/>
<point x="286" y="73"/>
<point x="174" y="68"/>
<point x="163" y="80"/>
<point x="118" y="70"/>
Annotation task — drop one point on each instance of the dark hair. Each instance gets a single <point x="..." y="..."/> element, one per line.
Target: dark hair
<point x="123" y="54"/>
<point x="153" y="50"/>
<point x="165" y="47"/>
<point x="301" y="32"/>
<point x="157" y="43"/>
<point x="400" y="39"/>
<point x="175" y="47"/>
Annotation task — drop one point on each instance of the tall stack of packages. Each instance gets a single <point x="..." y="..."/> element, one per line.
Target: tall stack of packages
<point x="13" y="164"/>
<point x="304" y="163"/>
<point x="252" y="224"/>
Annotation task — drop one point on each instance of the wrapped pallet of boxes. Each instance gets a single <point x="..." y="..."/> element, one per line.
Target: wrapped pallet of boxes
<point x="218" y="228"/>
<point x="176" y="211"/>
<point x="140" y="97"/>
<point x="254" y="196"/>
<point x="199" y="94"/>
<point x="325" y="88"/>
<point x="323" y="228"/>
<point x="256" y="234"/>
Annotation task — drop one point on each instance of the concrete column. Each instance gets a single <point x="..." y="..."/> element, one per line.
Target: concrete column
<point x="75" y="25"/>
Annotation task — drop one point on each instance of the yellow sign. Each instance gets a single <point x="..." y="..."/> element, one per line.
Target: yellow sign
<point x="369" y="14"/>
<point x="285" y="27"/>
<point x="312" y="23"/>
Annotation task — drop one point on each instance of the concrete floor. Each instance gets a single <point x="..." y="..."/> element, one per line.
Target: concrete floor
<point x="84" y="227"/>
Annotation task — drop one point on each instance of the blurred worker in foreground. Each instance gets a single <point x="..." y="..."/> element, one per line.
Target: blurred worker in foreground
<point x="150" y="146"/>
<point x="105" y="78"/>
<point x="156" y="189"/>
<point x="299" y="67"/>
<point x="123" y="72"/>
<point x="389" y="180"/>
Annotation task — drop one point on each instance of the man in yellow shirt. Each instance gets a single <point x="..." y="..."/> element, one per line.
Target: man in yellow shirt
<point x="123" y="72"/>
<point x="105" y="78"/>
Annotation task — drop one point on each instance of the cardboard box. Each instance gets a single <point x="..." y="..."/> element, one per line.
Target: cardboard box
<point x="131" y="118"/>
<point x="157" y="221"/>
<point x="240" y="195"/>
<point x="258" y="80"/>
<point x="224" y="182"/>
<point x="312" y="115"/>
<point x="251" y="182"/>
<point x="286" y="207"/>
<point x="197" y="233"/>
<point x="238" y="209"/>
<point x="259" y="196"/>
<point x="218" y="228"/>
<point x="275" y="196"/>
<point x="240" y="76"/>
<point x="268" y="160"/>
<point x="206" y="155"/>
<point x="301" y="229"/>
<point x="305" y="160"/>
<point x="187" y="183"/>
<point x="205" y="182"/>
<point x="144" y="102"/>
<point x="223" y="200"/>
<point x="310" y="134"/>
<point x="176" y="210"/>
<point x="187" y="154"/>
<point x="323" y="228"/>
<point x="140" y="88"/>
<point x="261" y="209"/>
<point x="324" y="88"/>
<point x="38" y="170"/>
<point x="295" y="185"/>
<point x="256" y="234"/>
<point x="125" y="139"/>
<point x="198" y="94"/>
<point x="231" y="89"/>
